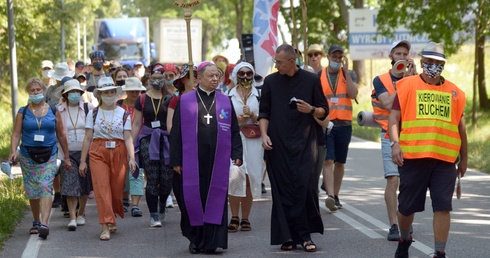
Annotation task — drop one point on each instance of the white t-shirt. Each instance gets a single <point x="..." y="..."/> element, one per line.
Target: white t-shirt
<point x="108" y="124"/>
<point x="74" y="135"/>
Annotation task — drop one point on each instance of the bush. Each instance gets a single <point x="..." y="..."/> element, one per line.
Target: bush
<point x="13" y="204"/>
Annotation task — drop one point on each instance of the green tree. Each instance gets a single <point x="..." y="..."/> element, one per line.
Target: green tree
<point x="441" y="20"/>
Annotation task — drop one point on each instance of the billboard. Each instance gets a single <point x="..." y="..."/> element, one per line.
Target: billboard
<point x="366" y="43"/>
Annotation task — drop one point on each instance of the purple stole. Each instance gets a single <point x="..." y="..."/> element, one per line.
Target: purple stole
<point x="218" y="190"/>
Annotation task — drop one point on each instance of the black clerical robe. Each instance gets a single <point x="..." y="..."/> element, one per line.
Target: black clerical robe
<point x="291" y="164"/>
<point x="208" y="236"/>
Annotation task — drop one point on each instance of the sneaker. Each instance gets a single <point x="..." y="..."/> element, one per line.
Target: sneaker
<point x="393" y="234"/>
<point x="330" y="203"/>
<point x="402" y="250"/>
<point x="155" y="221"/>
<point x="72" y="226"/>
<point x="80" y="220"/>
<point x="263" y="188"/>
<point x="440" y="254"/>
<point x="136" y="212"/>
<point x="56" y="200"/>
<point x="170" y="202"/>
<point x="337" y="202"/>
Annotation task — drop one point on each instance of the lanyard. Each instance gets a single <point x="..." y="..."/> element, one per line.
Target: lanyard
<point x="156" y="109"/>
<point x="333" y="87"/>
<point x="71" y="120"/>
<point x="39" y="122"/>
<point x="129" y="109"/>
<point x="109" y="129"/>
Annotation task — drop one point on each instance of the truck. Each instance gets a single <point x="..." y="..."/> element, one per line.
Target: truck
<point x="170" y="38"/>
<point x="124" y="39"/>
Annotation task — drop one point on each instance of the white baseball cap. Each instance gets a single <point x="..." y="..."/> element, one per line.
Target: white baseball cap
<point x="399" y="42"/>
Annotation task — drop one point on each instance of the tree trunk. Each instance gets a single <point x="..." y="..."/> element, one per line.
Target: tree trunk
<point x="205" y="40"/>
<point x="474" y="115"/>
<point x="480" y="43"/>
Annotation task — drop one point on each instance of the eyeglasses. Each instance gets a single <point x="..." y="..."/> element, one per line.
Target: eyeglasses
<point x="282" y="62"/>
<point x="310" y="55"/>
<point x="247" y="73"/>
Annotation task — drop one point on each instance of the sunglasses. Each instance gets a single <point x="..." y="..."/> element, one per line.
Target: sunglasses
<point x="314" y="54"/>
<point x="248" y="73"/>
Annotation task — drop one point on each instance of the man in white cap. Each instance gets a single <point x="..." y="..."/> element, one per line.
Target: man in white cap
<point x="61" y="70"/>
<point x="382" y="99"/>
<point x="47" y="72"/>
<point x="428" y="138"/>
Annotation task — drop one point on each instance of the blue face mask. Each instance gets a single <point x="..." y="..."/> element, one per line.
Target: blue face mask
<point x="299" y="61"/>
<point x="36" y="99"/>
<point x="335" y="65"/>
<point x="169" y="83"/>
<point x="74" y="97"/>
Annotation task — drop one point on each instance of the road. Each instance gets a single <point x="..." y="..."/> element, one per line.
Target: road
<point x="358" y="230"/>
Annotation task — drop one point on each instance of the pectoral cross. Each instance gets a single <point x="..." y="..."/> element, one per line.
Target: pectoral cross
<point x="207" y="118"/>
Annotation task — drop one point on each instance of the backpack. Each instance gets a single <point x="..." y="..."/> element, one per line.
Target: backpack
<point x="53" y="109"/>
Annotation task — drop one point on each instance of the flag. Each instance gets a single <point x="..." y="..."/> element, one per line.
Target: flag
<point x="265" y="35"/>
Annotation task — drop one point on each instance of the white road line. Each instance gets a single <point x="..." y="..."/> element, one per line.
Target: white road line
<point x="367" y="231"/>
<point x="34" y="244"/>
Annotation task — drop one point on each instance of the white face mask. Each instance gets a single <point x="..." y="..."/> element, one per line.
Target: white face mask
<point x="108" y="101"/>
<point x="48" y="74"/>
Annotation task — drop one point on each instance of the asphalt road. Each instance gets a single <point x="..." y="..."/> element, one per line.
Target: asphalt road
<point x="358" y="230"/>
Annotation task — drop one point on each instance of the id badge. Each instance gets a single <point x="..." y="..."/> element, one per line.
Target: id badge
<point x="155" y="124"/>
<point x="334" y="100"/>
<point x="72" y="138"/>
<point x="38" y="138"/>
<point x="110" y="144"/>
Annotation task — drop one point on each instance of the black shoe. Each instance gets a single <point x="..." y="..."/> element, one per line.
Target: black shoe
<point x="210" y="251"/>
<point x="394" y="233"/>
<point x="439" y="254"/>
<point x="263" y="188"/>
<point x="402" y="250"/>
<point x="337" y="202"/>
<point x="56" y="201"/>
<point x="193" y="249"/>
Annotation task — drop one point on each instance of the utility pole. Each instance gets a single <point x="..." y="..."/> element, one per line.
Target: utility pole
<point x="62" y="34"/>
<point x="13" y="57"/>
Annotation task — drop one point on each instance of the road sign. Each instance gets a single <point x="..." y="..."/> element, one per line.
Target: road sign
<point x="366" y="43"/>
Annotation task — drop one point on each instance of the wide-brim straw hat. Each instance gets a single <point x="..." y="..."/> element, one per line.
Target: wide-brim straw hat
<point x="315" y="48"/>
<point x="104" y="84"/>
<point x="133" y="84"/>
<point x="434" y="51"/>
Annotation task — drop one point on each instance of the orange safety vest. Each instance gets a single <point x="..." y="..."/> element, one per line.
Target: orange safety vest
<point x="380" y="113"/>
<point x="342" y="110"/>
<point x="430" y="116"/>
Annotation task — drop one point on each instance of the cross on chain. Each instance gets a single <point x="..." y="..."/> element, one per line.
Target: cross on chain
<point x="208" y="116"/>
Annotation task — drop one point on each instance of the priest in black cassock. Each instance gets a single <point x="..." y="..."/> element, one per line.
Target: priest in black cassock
<point x="290" y="99"/>
<point x="204" y="138"/>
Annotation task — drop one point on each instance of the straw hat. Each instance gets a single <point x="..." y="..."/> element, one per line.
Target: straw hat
<point x="69" y="85"/>
<point x="315" y="48"/>
<point x="133" y="84"/>
<point x="106" y="83"/>
<point x="434" y="51"/>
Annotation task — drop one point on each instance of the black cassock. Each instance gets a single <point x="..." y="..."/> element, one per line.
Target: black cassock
<point x="291" y="164"/>
<point x="209" y="236"/>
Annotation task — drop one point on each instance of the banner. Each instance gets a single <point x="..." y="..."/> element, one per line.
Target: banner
<point x="265" y="34"/>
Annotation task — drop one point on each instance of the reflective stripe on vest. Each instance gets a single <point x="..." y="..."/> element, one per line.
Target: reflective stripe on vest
<point x="381" y="114"/>
<point x="430" y="119"/>
<point x="342" y="110"/>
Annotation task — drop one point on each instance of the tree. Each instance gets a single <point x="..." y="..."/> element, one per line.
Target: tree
<point x="441" y="20"/>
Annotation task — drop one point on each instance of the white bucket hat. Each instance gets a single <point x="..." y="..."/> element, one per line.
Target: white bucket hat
<point x="70" y="85"/>
<point x="106" y="83"/>
<point x="61" y="70"/>
<point x="133" y="84"/>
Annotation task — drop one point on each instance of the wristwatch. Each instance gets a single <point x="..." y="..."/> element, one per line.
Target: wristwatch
<point x="312" y="110"/>
<point x="392" y="143"/>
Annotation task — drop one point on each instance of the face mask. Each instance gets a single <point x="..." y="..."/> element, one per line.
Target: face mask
<point x="299" y="62"/>
<point x="108" y="101"/>
<point x="120" y="82"/>
<point x="432" y="70"/>
<point x="245" y="82"/>
<point x="335" y="65"/>
<point x="141" y="73"/>
<point x="74" y="97"/>
<point x="157" y="85"/>
<point x="36" y="99"/>
<point x="169" y="83"/>
<point x="48" y="74"/>
<point x="98" y="65"/>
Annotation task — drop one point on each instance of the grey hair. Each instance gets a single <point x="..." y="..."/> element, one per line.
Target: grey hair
<point x="287" y="49"/>
<point x="33" y="81"/>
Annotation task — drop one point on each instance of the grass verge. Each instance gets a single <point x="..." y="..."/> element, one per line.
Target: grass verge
<point x="13" y="204"/>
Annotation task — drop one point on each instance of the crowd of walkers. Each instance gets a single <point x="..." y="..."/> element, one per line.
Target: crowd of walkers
<point x="210" y="134"/>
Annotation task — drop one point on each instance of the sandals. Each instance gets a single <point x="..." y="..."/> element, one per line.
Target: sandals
<point x="136" y="212"/>
<point x="105" y="235"/>
<point x="288" y="246"/>
<point x="245" y="225"/>
<point x="309" y="246"/>
<point x="35" y="228"/>
<point x="234" y="223"/>
<point x="112" y="228"/>
<point x="43" y="231"/>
